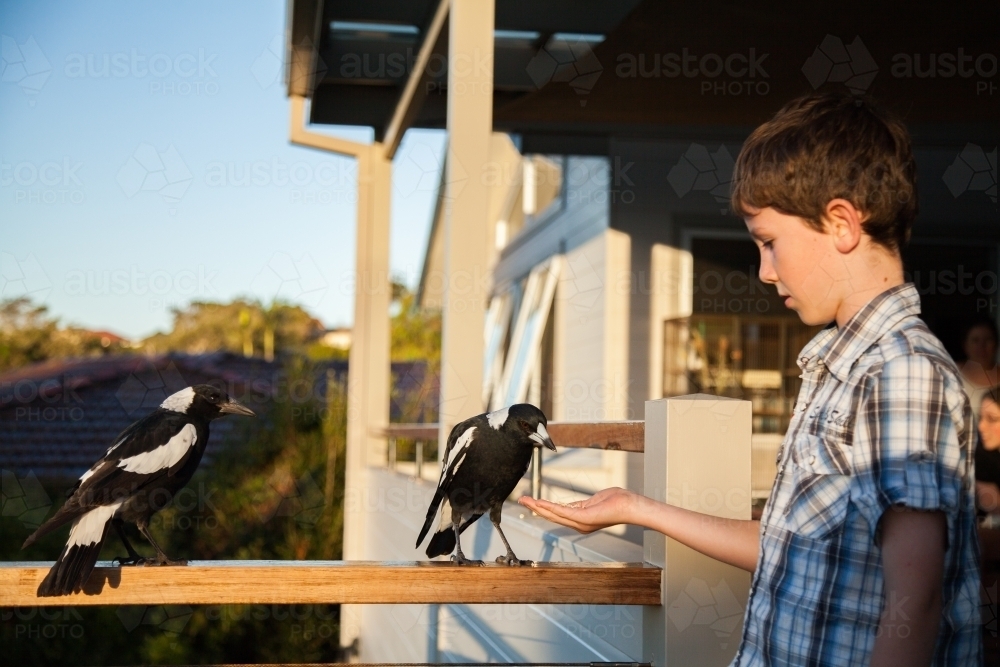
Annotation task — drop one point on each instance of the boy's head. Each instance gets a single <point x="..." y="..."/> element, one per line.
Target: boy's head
<point x="828" y="190"/>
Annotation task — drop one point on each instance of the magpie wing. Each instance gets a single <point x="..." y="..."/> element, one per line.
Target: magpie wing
<point x="156" y="445"/>
<point x="447" y="472"/>
<point x="450" y="446"/>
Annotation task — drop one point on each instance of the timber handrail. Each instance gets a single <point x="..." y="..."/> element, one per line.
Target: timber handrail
<point x="625" y="436"/>
<point x="345" y="582"/>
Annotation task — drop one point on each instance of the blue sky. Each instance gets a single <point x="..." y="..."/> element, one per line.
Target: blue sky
<point x="145" y="163"/>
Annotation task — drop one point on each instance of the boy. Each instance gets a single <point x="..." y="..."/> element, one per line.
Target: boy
<point x="866" y="551"/>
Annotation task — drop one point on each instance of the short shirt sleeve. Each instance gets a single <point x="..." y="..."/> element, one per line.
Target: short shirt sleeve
<point x="909" y="448"/>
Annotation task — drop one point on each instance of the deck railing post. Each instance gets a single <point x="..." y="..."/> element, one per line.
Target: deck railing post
<point x="420" y="459"/>
<point x="433" y="632"/>
<point x="697" y="456"/>
<point x="536" y="473"/>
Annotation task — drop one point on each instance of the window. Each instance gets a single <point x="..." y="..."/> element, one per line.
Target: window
<point x="747" y="357"/>
<point x="522" y="355"/>
<point x="497" y="325"/>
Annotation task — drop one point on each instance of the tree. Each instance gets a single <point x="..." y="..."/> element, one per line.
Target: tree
<point x="415" y="332"/>
<point x="28" y="335"/>
<point x="241" y="326"/>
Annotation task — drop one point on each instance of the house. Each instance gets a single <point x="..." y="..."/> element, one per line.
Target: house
<point x="582" y="251"/>
<point x="338" y="339"/>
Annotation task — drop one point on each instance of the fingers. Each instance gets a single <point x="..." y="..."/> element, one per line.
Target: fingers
<point x="556" y="513"/>
<point x="538" y="505"/>
<point x="565" y="521"/>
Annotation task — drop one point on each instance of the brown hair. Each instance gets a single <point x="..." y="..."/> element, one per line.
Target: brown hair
<point x="992" y="394"/>
<point x="828" y="146"/>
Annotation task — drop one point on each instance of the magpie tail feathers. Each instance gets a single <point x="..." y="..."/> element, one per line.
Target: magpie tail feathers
<point x="442" y="543"/>
<point x="76" y="562"/>
<point x="431" y="512"/>
<point x="72" y="570"/>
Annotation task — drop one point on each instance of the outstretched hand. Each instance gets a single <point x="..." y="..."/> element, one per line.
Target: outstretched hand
<point x="732" y="541"/>
<point x="605" y="508"/>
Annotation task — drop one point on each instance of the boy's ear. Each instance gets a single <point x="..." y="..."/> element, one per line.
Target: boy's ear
<point x="844" y="222"/>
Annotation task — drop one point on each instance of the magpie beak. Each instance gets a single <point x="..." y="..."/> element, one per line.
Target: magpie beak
<point x="234" y="407"/>
<point x="541" y="436"/>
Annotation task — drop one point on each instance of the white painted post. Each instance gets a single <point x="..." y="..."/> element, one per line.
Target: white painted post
<point x="467" y="233"/>
<point x="368" y="369"/>
<point x="697" y="457"/>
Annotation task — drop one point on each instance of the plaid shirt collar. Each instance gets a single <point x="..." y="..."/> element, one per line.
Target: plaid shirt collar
<point x="839" y="348"/>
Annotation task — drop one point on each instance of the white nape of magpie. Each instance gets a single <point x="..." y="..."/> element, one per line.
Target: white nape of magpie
<point x="483" y="461"/>
<point x="148" y="463"/>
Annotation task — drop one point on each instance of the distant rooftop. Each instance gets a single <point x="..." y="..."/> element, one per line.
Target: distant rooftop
<point x="58" y="417"/>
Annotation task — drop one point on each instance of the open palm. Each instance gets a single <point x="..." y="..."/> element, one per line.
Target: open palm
<point x="605" y="508"/>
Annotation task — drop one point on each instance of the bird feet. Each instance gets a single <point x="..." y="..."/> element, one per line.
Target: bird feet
<point x="128" y="560"/>
<point x="137" y="560"/>
<point x="462" y="560"/>
<point x="161" y="559"/>
<point x="514" y="561"/>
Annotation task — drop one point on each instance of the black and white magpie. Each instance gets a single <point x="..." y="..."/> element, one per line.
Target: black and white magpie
<point x="148" y="463"/>
<point x="483" y="461"/>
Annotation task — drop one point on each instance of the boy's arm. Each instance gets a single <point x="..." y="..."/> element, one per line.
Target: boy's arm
<point x="731" y="541"/>
<point x="913" y="547"/>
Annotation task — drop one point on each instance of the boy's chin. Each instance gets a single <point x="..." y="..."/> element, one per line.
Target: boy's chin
<point x="810" y="318"/>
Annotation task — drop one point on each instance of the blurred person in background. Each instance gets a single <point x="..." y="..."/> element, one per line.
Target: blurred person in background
<point x="988" y="503"/>
<point x="988" y="453"/>
<point x="979" y="370"/>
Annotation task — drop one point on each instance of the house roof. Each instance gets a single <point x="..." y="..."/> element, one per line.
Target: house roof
<point x="58" y="417"/>
<point x="569" y="75"/>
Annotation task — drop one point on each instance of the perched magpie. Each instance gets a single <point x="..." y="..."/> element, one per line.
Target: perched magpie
<point x="483" y="461"/>
<point x="148" y="463"/>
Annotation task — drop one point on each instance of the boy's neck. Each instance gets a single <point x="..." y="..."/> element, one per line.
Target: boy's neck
<point x="878" y="274"/>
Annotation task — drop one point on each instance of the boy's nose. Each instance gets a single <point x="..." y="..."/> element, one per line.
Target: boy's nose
<point x="766" y="272"/>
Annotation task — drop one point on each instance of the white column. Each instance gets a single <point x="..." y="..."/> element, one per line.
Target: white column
<point x="368" y="370"/>
<point x="467" y="198"/>
<point x="697" y="457"/>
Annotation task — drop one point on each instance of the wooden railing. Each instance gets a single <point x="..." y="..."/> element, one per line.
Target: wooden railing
<point x="344" y="582"/>
<point x="626" y="436"/>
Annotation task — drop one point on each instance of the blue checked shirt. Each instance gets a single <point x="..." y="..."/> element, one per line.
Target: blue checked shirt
<point x="880" y="420"/>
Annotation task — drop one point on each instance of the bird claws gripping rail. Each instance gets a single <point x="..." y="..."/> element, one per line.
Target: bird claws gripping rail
<point x="514" y="561"/>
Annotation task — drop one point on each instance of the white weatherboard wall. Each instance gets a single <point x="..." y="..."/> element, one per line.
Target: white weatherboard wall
<point x="592" y="314"/>
<point x="395" y="507"/>
<point x="591" y="381"/>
